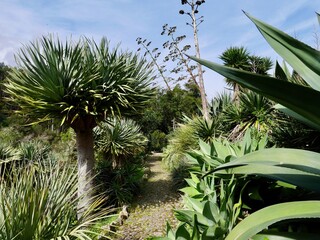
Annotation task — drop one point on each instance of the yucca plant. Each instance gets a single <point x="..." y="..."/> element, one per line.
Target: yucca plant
<point x="236" y="57"/>
<point x="240" y="58"/>
<point x="39" y="201"/>
<point x="118" y="140"/>
<point x="119" y="143"/>
<point x="219" y="103"/>
<point x="33" y="151"/>
<point x="297" y="167"/>
<point x="253" y="111"/>
<point x="78" y="83"/>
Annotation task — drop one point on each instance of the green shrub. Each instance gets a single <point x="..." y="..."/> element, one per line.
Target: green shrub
<point x="185" y="138"/>
<point x="10" y="136"/>
<point x="293" y="167"/>
<point x="64" y="146"/>
<point x="157" y="141"/>
<point x="120" y="184"/>
<point x="40" y="201"/>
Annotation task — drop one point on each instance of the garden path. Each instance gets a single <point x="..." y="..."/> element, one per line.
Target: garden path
<point x="153" y="207"/>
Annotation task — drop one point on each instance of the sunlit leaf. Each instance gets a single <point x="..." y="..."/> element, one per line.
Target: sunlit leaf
<point x="300" y="99"/>
<point x="302" y="58"/>
<point x="263" y="218"/>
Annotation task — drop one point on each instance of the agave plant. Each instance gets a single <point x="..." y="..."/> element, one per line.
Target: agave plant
<point x="283" y="73"/>
<point x="297" y="167"/>
<point x="212" y="202"/>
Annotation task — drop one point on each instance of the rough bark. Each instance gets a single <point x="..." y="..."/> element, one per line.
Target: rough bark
<point x="236" y="94"/>
<point x="85" y="150"/>
<point x="204" y="102"/>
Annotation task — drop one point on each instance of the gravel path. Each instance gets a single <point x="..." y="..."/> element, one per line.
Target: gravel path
<point x="154" y="207"/>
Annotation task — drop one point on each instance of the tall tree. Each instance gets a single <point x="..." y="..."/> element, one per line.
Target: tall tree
<point x="80" y="84"/>
<point x="177" y="54"/>
<point x="240" y="58"/>
<point x="260" y="65"/>
<point x="195" y="22"/>
<point x="235" y="57"/>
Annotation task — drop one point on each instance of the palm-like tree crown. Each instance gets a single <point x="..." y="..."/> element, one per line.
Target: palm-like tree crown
<point x="78" y="83"/>
<point x="240" y="58"/>
<point x="235" y="57"/>
<point x="260" y="65"/>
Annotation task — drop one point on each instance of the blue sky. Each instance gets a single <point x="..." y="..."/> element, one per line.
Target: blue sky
<point x="123" y="21"/>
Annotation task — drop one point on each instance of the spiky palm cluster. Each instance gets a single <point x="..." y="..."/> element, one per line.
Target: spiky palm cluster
<point x="39" y="201"/>
<point x="240" y="58"/>
<point x="118" y="140"/>
<point x="77" y="82"/>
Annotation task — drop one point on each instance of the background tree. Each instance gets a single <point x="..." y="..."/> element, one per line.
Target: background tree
<point x="80" y="84"/>
<point x="240" y="58"/>
<point x="236" y="57"/>
<point x="183" y="70"/>
<point x="260" y="65"/>
<point x="4" y="72"/>
<point x="195" y="22"/>
<point x="166" y="110"/>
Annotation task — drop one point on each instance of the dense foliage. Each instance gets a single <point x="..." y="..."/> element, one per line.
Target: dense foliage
<point x="166" y="110"/>
<point x="121" y="153"/>
<point x="236" y="185"/>
<point x="38" y="197"/>
<point x="298" y="168"/>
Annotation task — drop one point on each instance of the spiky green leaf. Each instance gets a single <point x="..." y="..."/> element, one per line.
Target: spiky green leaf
<point x="263" y="218"/>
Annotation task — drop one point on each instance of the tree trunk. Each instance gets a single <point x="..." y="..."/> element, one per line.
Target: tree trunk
<point x="85" y="168"/>
<point x="236" y="94"/>
<point x="204" y="102"/>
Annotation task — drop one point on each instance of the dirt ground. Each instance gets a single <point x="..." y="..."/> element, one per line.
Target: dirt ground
<point x="153" y="207"/>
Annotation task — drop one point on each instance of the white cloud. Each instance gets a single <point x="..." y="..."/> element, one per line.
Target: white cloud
<point x="124" y="20"/>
